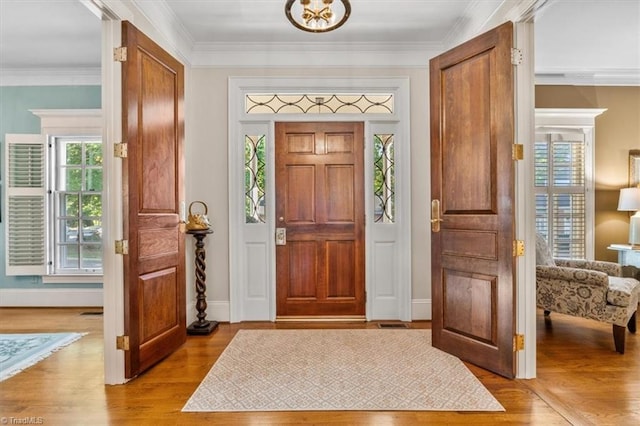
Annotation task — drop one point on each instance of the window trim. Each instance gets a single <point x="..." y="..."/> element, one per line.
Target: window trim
<point x="559" y="120"/>
<point x="60" y="123"/>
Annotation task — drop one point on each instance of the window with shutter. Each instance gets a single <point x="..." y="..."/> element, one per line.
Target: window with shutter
<point x="561" y="213"/>
<point x="25" y="204"/>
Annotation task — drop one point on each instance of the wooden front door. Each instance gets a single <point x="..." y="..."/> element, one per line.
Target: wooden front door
<point x="153" y="173"/>
<point x="472" y="189"/>
<point x="320" y="208"/>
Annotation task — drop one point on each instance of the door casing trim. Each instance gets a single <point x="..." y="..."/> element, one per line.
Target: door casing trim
<point x="399" y="120"/>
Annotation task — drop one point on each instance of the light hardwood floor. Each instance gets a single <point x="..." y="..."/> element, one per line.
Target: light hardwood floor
<point x="581" y="380"/>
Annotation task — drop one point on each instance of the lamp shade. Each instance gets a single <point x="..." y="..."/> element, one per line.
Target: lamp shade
<point x="629" y="200"/>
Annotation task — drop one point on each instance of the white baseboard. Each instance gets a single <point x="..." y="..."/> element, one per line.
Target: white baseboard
<point x="421" y="309"/>
<point x="50" y="298"/>
<point x="217" y="310"/>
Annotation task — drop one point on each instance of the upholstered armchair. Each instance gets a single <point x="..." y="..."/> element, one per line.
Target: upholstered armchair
<point x="587" y="289"/>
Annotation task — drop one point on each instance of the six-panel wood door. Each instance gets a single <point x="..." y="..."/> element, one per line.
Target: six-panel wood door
<point x="153" y="174"/>
<point x="320" y="204"/>
<point x="472" y="179"/>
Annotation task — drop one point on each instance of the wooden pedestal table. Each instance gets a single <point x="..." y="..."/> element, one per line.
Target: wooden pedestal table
<point x="201" y="326"/>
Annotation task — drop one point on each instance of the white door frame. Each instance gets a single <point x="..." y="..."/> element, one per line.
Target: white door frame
<point x="252" y="286"/>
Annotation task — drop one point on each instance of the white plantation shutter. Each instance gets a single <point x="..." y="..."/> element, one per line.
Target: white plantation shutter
<point x="25" y="204"/>
<point x="561" y="189"/>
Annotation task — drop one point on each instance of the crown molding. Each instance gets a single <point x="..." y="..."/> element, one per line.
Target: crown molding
<point x="596" y="77"/>
<point x="50" y="76"/>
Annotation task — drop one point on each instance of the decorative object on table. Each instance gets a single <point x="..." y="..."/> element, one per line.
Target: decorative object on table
<point x="201" y="326"/>
<point x="198" y="221"/>
<point x="20" y="351"/>
<point x="630" y="201"/>
<point x="317" y="16"/>
<point x="324" y="370"/>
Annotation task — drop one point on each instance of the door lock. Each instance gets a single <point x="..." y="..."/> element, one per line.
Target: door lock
<point x="281" y="236"/>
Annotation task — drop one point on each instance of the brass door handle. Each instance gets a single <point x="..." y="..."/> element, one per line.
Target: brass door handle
<point x="435" y="216"/>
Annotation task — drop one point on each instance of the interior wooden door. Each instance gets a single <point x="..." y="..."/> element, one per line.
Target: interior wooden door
<point x="320" y="207"/>
<point x="153" y="174"/>
<point x="472" y="188"/>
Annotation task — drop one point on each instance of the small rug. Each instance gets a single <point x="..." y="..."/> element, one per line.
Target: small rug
<point x="20" y="351"/>
<point x="309" y="370"/>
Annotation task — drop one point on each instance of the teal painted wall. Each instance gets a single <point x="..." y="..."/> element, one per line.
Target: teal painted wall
<point x="15" y="103"/>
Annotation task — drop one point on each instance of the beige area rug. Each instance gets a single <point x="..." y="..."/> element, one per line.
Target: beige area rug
<point x="310" y="370"/>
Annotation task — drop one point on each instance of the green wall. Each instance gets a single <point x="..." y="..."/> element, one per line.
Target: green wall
<point x="15" y="103"/>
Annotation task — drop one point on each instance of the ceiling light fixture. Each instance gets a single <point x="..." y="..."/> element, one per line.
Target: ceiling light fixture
<point x="317" y="16"/>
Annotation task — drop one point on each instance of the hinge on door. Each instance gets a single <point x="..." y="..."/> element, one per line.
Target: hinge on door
<point x="518" y="248"/>
<point x="517" y="151"/>
<point x="518" y="342"/>
<point x="516" y="56"/>
<point x="122" y="247"/>
<point x="122" y="343"/>
<point x="120" y="54"/>
<point x="120" y="150"/>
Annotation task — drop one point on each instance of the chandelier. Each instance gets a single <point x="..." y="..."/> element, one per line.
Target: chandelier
<point x="317" y="16"/>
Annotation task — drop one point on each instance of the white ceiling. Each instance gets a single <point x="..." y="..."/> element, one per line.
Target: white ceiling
<point x="579" y="41"/>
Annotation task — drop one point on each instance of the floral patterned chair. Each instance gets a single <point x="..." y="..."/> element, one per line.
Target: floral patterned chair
<point x="588" y="289"/>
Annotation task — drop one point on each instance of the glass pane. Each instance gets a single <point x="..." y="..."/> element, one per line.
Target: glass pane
<point x="569" y="226"/>
<point x="91" y="256"/>
<point x="72" y="153"/>
<point x="568" y="164"/>
<point x="69" y="257"/>
<point x="542" y="215"/>
<point x="92" y="205"/>
<point x="93" y="179"/>
<point x="93" y="154"/>
<point x="70" y="179"/>
<point x="69" y="205"/>
<point x="541" y="171"/>
<point x="91" y="230"/>
<point x="254" y="179"/>
<point x="68" y="231"/>
<point x="384" y="179"/>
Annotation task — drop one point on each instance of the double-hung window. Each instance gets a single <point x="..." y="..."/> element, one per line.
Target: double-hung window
<point x="53" y="198"/>
<point x="76" y="198"/>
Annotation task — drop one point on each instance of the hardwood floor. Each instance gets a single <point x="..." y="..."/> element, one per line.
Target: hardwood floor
<point x="581" y="380"/>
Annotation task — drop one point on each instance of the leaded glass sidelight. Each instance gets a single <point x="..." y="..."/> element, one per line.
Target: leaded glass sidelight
<point x="254" y="179"/>
<point x="384" y="179"/>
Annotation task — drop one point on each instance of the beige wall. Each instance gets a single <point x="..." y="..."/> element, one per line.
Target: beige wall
<point x="617" y="132"/>
<point x="206" y="134"/>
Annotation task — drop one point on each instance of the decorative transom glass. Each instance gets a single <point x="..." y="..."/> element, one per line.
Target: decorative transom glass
<point x="254" y="178"/>
<point x="383" y="179"/>
<point x="352" y="103"/>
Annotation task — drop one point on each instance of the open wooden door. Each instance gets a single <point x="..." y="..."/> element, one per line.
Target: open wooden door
<point x="472" y="189"/>
<point x="153" y="173"/>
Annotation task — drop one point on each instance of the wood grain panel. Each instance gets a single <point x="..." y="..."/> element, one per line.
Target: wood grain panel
<point x="466" y="297"/>
<point x="158" y="316"/>
<point x="303" y="269"/>
<point x="156" y="242"/>
<point x="477" y="244"/>
<point x="340" y="273"/>
<point x="467" y="138"/>
<point x="301" y="197"/>
<point x="338" y="143"/>
<point x="300" y="143"/>
<point x="339" y="204"/>
<point x="158" y="150"/>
